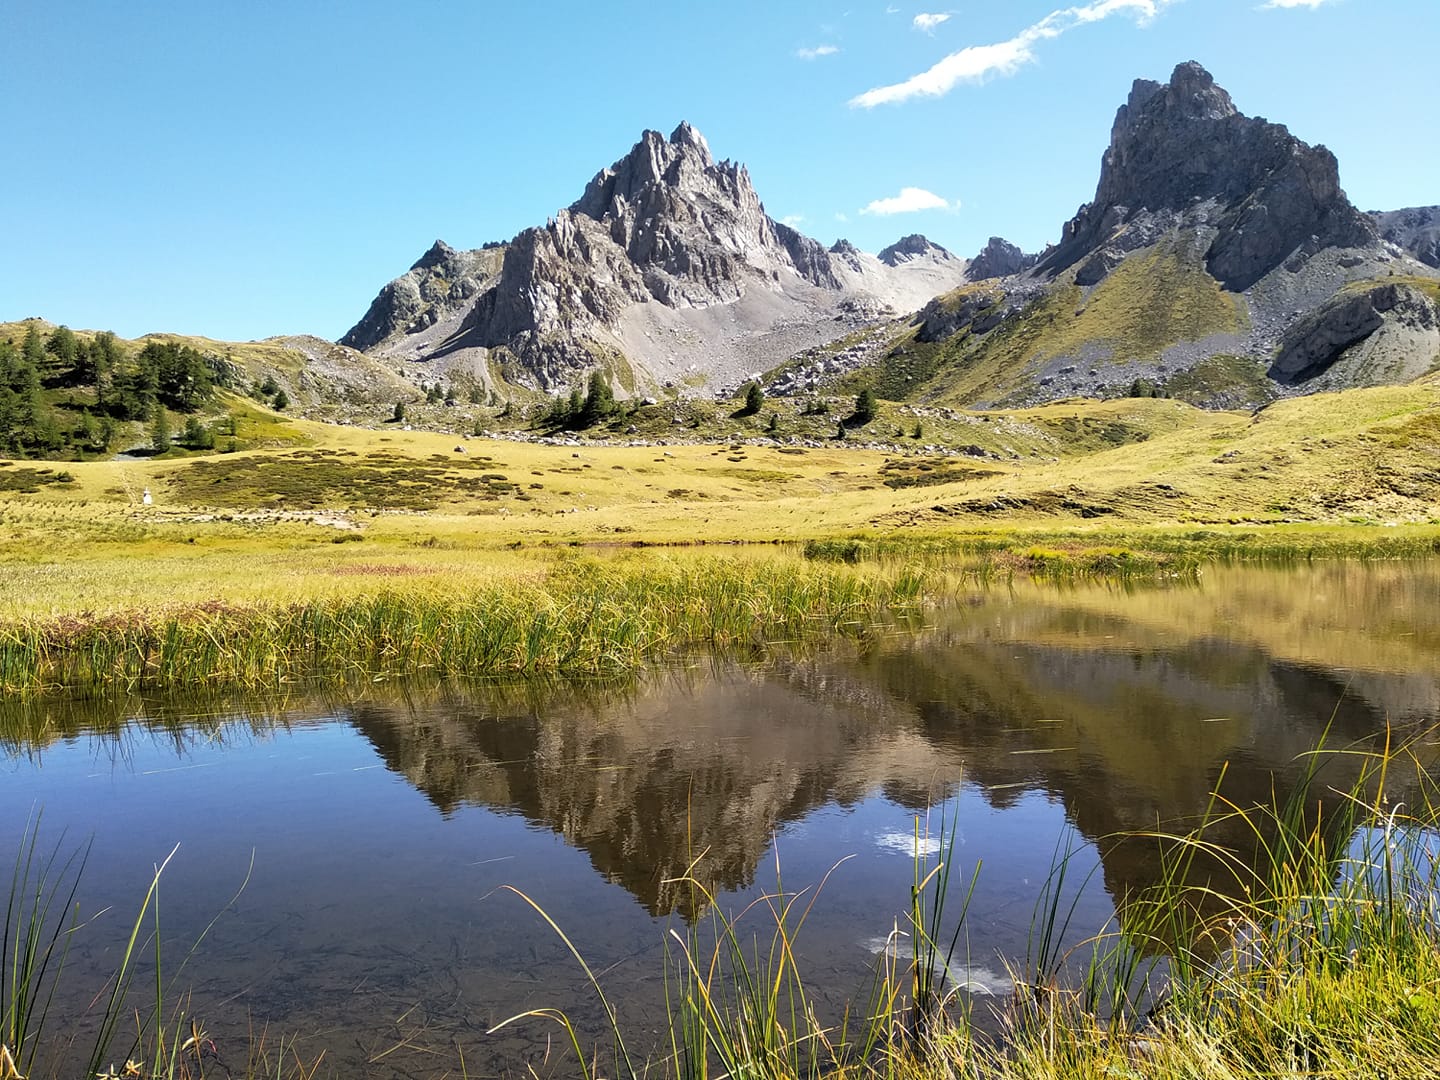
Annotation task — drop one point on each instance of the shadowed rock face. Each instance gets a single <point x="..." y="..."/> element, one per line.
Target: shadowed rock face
<point x="1183" y="143"/>
<point x="1315" y="342"/>
<point x="1000" y="258"/>
<point x="442" y="283"/>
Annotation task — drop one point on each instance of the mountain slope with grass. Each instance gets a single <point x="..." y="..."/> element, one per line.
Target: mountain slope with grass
<point x="1219" y="261"/>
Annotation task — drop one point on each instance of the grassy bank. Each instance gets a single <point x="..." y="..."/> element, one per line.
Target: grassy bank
<point x="268" y="610"/>
<point x="567" y="615"/>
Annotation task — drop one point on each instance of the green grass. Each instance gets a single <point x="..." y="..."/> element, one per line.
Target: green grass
<point x="1157" y="297"/>
<point x="1222" y="376"/>
<point x="28" y="480"/>
<point x="313" y="479"/>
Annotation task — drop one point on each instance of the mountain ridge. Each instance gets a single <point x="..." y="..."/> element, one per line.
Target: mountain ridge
<point x="1219" y="253"/>
<point x="655" y="240"/>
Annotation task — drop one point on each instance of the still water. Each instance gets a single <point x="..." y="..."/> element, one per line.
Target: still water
<point x="373" y="831"/>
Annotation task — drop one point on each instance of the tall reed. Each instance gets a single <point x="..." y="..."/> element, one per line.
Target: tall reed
<point x="42" y="920"/>
<point x="598" y="616"/>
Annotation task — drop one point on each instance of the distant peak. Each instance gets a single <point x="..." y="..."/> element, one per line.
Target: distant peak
<point x="912" y="247"/>
<point x="843" y="247"/>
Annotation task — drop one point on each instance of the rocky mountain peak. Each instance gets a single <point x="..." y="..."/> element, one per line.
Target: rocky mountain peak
<point x="1182" y="143"/>
<point x="909" y="248"/>
<point x="843" y="247"/>
<point x="686" y="136"/>
<point x="682" y="162"/>
<point x="657" y="238"/>
<point x="999" y="258"/>
<point x="438" y="254"/>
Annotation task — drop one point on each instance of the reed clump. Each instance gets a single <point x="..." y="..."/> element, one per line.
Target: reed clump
<point x="1125" y="553"/>
<point x="583" y="615"/>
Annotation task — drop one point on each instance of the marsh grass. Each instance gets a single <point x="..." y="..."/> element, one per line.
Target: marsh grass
<point x="586" y="615"/>
<point x="1308" y="949"/>
<point x="1124" y="553"/>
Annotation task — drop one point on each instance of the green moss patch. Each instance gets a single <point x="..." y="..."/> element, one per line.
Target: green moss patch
<point x="315" y="479"/>
<point x="929" y="472"/>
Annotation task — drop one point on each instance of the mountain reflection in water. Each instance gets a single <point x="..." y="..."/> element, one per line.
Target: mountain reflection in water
<point x="1108" y="711"/>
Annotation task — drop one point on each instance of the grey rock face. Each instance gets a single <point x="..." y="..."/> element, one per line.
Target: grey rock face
<point x="1184" y="143"/>
<point x="909" y="248"/>
<point x="1316" y="341"/>
<point x="441" y="283"/>
<point x="667" y="224"/>
<point x="1416" y="230"/>
<point x="809" y="257"/>
<point x="979" y="312"/>
<point x="1000" y="258"/>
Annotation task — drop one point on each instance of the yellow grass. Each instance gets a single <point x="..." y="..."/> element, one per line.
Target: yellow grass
<point x="341" y="515"/>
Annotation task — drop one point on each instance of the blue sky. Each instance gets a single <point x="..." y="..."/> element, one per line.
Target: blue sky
<point x="242" y="168"/>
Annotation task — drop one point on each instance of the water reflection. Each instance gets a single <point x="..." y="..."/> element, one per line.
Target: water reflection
<point x="1104" y="711"/>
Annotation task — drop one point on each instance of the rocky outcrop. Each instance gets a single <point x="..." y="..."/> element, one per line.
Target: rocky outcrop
<point x="977" y="310"/>
<point x="1415" y="230"/>
<point x="1184" y="143"/>
<point x="999" y="258"/>
<point x="441" y="283"/>
<point x="1318" y="340"/>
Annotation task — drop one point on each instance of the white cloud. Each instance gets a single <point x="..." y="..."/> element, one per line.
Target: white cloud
<point x="909" y="201"/>
<point x="926" y="22"/>
<point x="976" y="63"/>
<point x="792" y="220"/>
<point x="842" y="217"/>
<point x="1311" y="4"/>
<point x="817" y="52"/>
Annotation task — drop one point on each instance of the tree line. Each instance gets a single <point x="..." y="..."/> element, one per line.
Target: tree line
<point x="62" y="396"/>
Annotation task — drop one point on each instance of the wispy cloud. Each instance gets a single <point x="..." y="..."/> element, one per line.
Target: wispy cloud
<point x="792" y="220"/>
<point x="841" y="216"/>
<point x="1311" y="4"/>
<point x="926" y="22"/>
<point x="910" y="201"/>
<point x="976" y="63"/>
<point x="817" y="52"/>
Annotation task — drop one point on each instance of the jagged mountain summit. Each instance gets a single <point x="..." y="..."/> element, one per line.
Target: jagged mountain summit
<point x="667" y="268"/>
<point x="1183" y="143"/>
<point x="1220" y="257"/>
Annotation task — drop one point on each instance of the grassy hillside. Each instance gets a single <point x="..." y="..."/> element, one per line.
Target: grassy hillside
<point x="1158" y="297"/>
